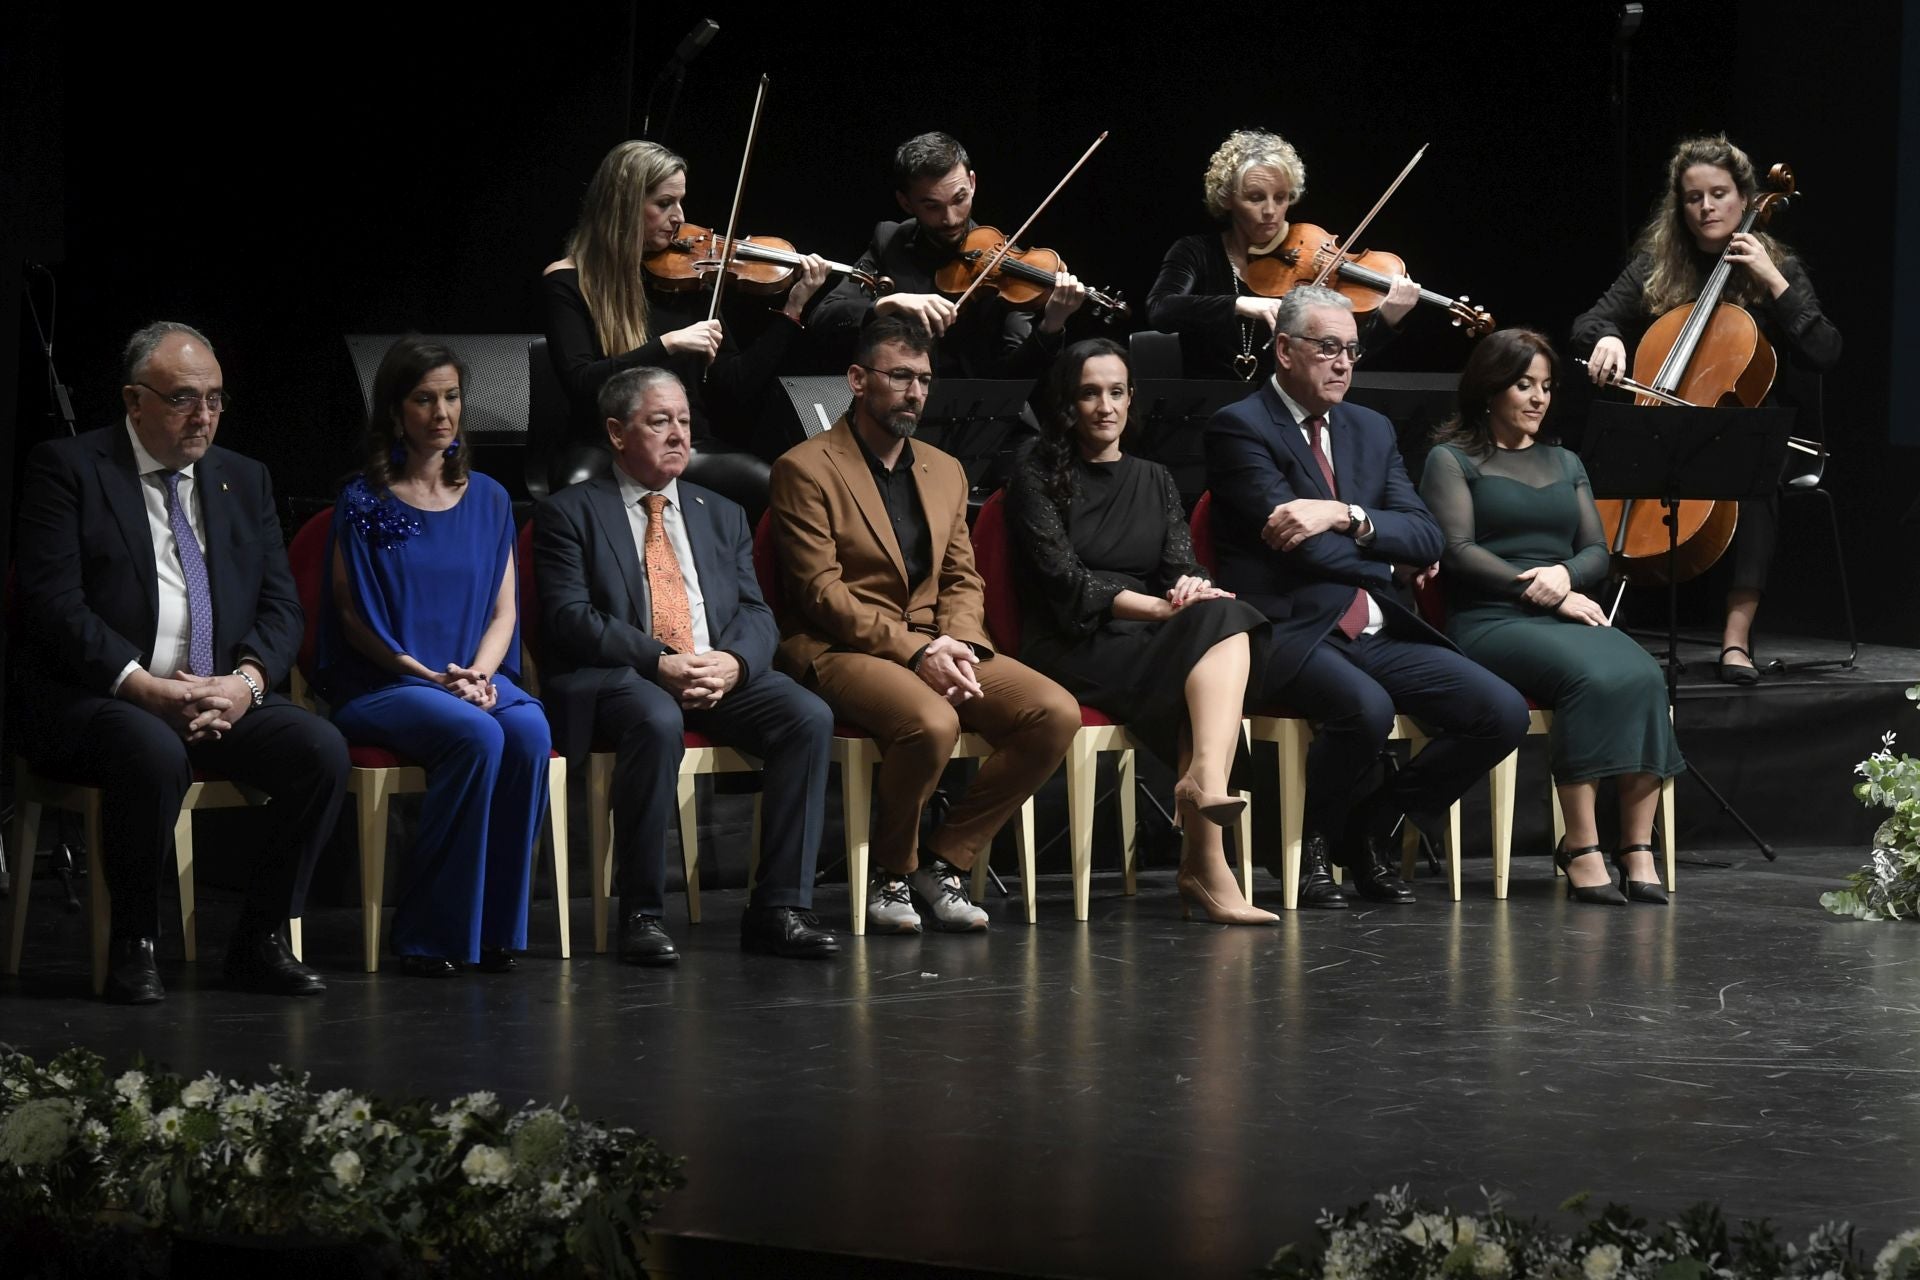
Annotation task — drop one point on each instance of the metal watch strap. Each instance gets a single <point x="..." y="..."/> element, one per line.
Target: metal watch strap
<point x="259" y="693"/>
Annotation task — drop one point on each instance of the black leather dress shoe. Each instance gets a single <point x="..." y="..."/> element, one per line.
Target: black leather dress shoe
<point x="786" y="931"/>
<point x="643" y="941"/>
<point x="428" y="967"/>
<point x="1317" y="888"/>
<point x="1374" y="876"/>
<point x="264" y="962"/>
<point x="496" y="960"/>
<point x="131" y="975"/>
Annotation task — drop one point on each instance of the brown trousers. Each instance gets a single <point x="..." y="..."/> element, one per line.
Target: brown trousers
<point x="1028" y="718"/>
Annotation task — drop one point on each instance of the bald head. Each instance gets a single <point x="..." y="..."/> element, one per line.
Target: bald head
<point x="162" y="367"/>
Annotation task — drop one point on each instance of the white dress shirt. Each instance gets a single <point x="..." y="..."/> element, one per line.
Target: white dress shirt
<point x="171" y="629"/>
<point x="1375" y="618"/>
<point x="633" y="496"/>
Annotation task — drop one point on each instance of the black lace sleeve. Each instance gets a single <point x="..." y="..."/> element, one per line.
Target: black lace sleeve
<point x="1176" y="552"/>
<point x="1591" y="561"/>
<point x="1471" y="570"/>
<point x="1079" y="599"/>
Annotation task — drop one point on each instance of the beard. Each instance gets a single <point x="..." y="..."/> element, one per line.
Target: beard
<point x="903" y="423"/>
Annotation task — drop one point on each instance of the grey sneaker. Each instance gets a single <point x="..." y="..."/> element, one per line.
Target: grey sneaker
<point x="889" y="908"/>
<point x="944" y="890"/>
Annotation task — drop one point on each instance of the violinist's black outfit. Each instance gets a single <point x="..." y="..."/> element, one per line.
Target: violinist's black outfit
<point x="1193" y="297"/>
<point x="1797" y="329"/>
<point x="989" y="339"/>
<point x="724" y="401"/>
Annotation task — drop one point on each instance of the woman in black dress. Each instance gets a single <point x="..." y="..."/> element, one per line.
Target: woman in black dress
<point x="1116" y="609"/>
<point x="1252" y="182"/>
<point x="1709" y="183"/>
<point x="604" y="315"/>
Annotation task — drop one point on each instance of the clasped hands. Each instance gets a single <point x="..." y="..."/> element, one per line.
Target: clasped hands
<point x="950" y="669"/>
<point x="1190" y="590"/>
<point x="1550" y="587"/>
<point x="1292" y="523"/>
<point x="195" y="707"/>
<point x="469" y="684"/>
<point x="698" y="680"/>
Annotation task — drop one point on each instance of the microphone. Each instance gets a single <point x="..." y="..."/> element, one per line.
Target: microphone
<point x="674" y="74"/>
<point x="697" y="39"/>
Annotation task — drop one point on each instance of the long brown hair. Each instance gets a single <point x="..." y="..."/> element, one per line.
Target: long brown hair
<point x="607" y="243"/>
<point x="1675" y="279"/>
<point x="1498" y="361"/>
<point x="407" y="361"/>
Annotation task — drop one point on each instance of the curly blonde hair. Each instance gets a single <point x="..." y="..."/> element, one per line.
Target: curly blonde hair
<point x="1674" y="280"/>
<point x="1244" y="150"/>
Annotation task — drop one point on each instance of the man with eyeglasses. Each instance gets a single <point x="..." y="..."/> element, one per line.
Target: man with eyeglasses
<point x="652" y="624"/>
<point x="934" y="184"/>
<point x="157" y="615"/>
<point x="1312" y="511"/>
<point x="886" y="620"/>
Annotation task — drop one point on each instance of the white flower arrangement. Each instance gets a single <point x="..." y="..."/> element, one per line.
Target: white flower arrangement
<point x="1888" y="886"/>
<point x="467" y="1188"/>
<point x="1395" y="1237"/>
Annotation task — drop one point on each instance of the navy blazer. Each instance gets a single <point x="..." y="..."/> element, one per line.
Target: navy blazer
<point x="594" y="619"/>
<point x="86" y="591"/>
<point x="1258" y="459"/>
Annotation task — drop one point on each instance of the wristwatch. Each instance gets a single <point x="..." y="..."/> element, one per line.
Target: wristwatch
<point x="259" y="693"/>
<point x="1358" y="518"/>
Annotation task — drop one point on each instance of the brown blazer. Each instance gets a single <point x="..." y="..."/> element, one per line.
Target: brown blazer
<point x="842" y="579"/>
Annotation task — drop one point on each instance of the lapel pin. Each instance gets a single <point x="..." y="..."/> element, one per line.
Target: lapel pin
<point x="223" y="486"/>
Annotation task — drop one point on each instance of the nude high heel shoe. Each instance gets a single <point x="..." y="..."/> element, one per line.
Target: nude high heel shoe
<point x="1222" y="811"/>
<point x="1224" y="906"/>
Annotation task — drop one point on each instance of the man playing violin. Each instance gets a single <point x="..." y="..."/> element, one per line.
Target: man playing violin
<point x="934" y="185"/>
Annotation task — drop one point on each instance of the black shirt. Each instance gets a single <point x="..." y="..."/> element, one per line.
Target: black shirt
<point x="902" y="499"/>
<point x="989" y="340"/>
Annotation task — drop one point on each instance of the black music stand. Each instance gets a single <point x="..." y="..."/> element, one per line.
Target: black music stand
<point x="1168" y="420"/>
<point x="1665" y="454"/>
<point x="982" y="422"/>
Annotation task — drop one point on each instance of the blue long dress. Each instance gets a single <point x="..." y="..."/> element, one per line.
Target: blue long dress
<point x="425" y="583"/>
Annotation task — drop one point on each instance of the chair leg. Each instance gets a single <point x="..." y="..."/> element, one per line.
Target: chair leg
<point x="371" y="802"/>
<point x="1243" y="840"/>
<point x="856" y="815"/>
<point x="293" y="938"/>
<point x="1293" y="800"/>
<point x="1082" y="768"/>
<point x="1453" y="849"/>
<point x="99" y="898"/>
<point x="1029" y="883"/>
<point x="1559" y="819"/>
<point x="684" y="789"/>
<point x="1129" y="823"/>
<point x="183" y="867"/>
<point x="600" y="842"/>
<point x="26" y="834"/>
<point x="753" y="843"/>
<point x="562" y="847"/>
<point x="1409" y="850"/>
<point x="1500" y="788"/>
<point x="1668" y="823"/>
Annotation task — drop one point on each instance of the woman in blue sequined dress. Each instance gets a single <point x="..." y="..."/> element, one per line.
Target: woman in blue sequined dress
<point x="420" y="654"/>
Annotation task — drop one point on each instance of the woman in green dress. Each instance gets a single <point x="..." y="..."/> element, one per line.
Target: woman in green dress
<point x="1524" y="544"/>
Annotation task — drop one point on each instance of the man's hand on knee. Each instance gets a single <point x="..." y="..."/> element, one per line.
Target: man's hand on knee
<point x="948" y="667"/>
<point x="191" y="706"/>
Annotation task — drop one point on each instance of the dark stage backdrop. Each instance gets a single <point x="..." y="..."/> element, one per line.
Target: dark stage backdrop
<point x="380" y="168"/>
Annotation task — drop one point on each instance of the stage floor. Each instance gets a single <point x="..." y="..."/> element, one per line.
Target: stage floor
<point x="1138" y="1096"/>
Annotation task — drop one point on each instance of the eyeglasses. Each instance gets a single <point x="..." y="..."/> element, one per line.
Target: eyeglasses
<point x="216" y="402"/>
<point x="900" y="379"/>
<point x="1328" y="348"/>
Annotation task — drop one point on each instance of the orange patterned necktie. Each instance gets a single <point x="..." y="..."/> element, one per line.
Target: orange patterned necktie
<point x="672" y="617"/>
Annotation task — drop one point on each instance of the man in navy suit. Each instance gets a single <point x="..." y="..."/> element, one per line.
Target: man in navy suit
<point x="653" y="624"/>
<point x="1312" y="510"/>
<point x="156" y="614"/>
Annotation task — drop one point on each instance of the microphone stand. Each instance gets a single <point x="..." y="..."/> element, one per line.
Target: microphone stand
<point x="672" y="77"/>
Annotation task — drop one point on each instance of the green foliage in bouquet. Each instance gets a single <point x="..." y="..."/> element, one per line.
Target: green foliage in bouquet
<point x="1888" y="886"/>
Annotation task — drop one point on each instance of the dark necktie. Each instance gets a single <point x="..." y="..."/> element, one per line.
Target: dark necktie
<point x="1354" y="620"/>
<point x="193" y="566"/>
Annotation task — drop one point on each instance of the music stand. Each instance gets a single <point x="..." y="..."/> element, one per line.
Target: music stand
<point x="980" y="421"/>
<point x="1169" y="419"/>
<point x="1666" y="454"/>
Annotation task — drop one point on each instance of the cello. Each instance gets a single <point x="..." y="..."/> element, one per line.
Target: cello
<point x="1704" y="353"/>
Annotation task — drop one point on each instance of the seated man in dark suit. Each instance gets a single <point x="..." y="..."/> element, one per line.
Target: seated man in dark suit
<point x="653" y="624"/>
<point x="156" y="614"/>
<point x="1312" y="509"/>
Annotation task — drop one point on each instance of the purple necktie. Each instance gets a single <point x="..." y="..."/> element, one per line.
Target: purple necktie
<point x="194" y="566"/>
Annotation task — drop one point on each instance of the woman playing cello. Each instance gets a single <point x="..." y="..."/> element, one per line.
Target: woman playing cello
<point x="1709" y="184"/>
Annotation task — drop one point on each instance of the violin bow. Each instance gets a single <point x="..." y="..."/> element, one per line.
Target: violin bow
<point x="1007" y="245"/>
<point x="739" y="190"/>
<point x="1339" y="249"/>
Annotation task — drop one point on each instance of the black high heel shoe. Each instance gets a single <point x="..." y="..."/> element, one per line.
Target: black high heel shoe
<point x="1639" y="890"/>
<point x="1598" y="895"/>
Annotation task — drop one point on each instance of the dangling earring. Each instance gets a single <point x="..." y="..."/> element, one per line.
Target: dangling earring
<point x="453" y="450"/>
<point x="397" y="456"/>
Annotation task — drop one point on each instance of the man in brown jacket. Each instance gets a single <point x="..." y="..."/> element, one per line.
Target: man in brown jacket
<point x="886" y="622"/>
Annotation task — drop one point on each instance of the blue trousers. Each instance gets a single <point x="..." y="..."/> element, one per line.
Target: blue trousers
<point x="465" y="883"/>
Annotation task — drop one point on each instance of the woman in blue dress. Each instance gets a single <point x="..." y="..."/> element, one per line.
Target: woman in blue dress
<point x="420" y="653"/>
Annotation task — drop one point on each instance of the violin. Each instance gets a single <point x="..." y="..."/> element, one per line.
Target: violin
<point x="1707" y="352"/>
<point x="757" y="264"/>
<point x="1305" y="253"/>
<point x="1023" y="277"/>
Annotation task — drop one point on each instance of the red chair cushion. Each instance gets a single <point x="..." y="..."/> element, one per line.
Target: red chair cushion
<point x="993" y="557"/>
<point x="766" y="566"/>
<point x="1094" y="718"/>
<point x="375" y="758"/>
<point x="306" y="557"/>
<point x="529" y="601"/>
<point x="1200" y="529"/>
